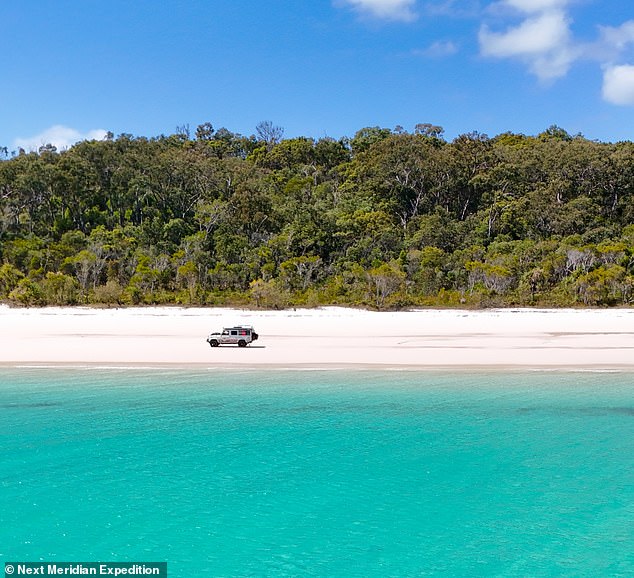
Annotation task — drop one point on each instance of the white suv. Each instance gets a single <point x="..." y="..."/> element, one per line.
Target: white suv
<point x="242" y="335"/>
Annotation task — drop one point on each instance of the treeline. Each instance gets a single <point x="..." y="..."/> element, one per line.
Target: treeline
<point x="386" y="219"/>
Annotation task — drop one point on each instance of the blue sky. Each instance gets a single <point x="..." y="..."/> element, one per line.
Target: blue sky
<point x="73" y="69"/>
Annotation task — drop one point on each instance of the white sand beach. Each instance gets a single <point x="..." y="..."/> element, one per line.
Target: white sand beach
<point x="328" y="337"/>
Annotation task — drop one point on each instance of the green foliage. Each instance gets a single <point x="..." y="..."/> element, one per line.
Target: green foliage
<point x="59" y="289"/>
<point x="268" y="294"/>
<point x="26" y="292"/>
<point x="109" y="294"/>
<point x="386" y="219"/>
<point x="386" y="279"/>
<point x="606" y="285"/>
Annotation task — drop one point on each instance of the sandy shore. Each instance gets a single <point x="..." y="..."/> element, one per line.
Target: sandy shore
<point x="332" y="337"/>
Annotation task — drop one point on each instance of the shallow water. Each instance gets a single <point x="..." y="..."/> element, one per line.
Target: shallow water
<point x="320" y="473"/>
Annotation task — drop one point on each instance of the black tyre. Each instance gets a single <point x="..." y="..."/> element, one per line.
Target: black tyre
<point x="213" y="343"/>
<point x="242" y="343"/>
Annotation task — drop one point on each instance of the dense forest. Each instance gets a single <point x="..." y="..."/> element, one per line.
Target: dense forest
<point x="385" y="219"/>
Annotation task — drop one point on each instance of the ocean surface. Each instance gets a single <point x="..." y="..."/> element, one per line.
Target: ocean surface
<point x="320" y="473"/>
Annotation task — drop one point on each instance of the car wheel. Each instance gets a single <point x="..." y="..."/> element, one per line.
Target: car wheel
<point x="242" y="343"/>
<point x="213" y="343"/>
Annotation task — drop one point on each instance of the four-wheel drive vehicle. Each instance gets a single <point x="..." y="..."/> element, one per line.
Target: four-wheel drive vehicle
<point x="242" y="335"/>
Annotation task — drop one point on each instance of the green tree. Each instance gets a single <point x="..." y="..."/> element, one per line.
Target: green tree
<point x="59" y="289"/>
<point x="386" y="279"/>
<point x="603" y="286"/>
<point x="10" y="276"/>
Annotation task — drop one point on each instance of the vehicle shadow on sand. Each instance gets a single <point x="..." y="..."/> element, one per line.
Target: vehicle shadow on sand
<point x="237" y="347"/>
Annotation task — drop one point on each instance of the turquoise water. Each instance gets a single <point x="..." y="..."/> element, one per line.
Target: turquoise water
<point x="320" y="473"/>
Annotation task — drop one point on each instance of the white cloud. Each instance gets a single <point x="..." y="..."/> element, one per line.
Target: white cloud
<point x="618" y="38"/>
<point x="402" y="10"/>
<point x="60" y="136"/>
<point x="618" y="78"/>
<point x="538" y="35"/>
<point x="438" y="49"/>
<point x="542" y="41"/>
<point x="618" y="84"/>
<point x="537" y="5"/>
<point x="452" y="8"/>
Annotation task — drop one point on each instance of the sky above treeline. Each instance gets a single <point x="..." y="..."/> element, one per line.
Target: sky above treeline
<point x="76" y="69"/>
